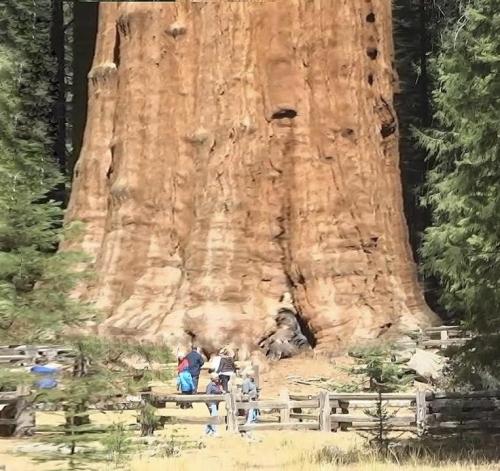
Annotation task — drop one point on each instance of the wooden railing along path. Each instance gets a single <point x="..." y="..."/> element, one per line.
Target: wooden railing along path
<point x="421" y="412"/>
<point x="432" y="337"/>
<point x="436" y="337"/>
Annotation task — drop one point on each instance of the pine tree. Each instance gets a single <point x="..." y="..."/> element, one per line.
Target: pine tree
<point x="103" y="373"/>
<point x="381" y="373"/>
<point x="30" y="224"/>
<point x="418" y="26"/>
<point x="411" y="34"/>
<point x="36" y="280"/>
<point x="39" y="31"/>
<point x="462" y="247"/>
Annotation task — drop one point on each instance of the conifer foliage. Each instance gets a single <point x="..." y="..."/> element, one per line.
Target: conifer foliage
<point x="381" y="372"/>
<point x="30" y="223"/>
<point x="412" y="43"/>
<point x="462" y="247"/>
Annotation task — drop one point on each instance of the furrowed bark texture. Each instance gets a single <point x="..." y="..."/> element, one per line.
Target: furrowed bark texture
<point x="235" y="151"/>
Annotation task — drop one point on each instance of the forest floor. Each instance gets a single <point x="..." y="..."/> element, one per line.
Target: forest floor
<point x="276" y="450"/>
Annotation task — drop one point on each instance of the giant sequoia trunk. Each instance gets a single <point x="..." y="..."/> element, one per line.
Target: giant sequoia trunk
<point x="237" y="151"/>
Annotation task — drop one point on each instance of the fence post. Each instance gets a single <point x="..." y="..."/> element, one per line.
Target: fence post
<point x="344" y="408"/>
<point x="255" y="369"/>
<point x="25" y="414"/>
<point x="31" y="353"/>
<point x="232" y="411"/>
<point x="285" y="413"/>
<point x="334" y="404"/>
<point x="444" y="337"/>
<point x="421" y="413"/>
<point x="325" y="423"/>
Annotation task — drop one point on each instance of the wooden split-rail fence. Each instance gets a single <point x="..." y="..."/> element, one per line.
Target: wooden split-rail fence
<point x="17" y="417"/>
<point x="325" y="411"/>
<point x="421" y="412"/>
<point x="431" y="337"/>
<point x="24" y="355"/>
<point x="436" y="337"/>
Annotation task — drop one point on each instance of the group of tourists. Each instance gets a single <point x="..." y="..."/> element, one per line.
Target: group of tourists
<point x="222" y="370"/>
<point x="189" y="368"/>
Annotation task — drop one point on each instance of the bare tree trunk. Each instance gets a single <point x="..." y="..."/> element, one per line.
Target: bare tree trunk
<point x="235" y="151"/>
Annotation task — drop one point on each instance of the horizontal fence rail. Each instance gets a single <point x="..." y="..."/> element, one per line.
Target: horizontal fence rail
<point x="421" y="412"/>
<point x="431" y="337"/>
<point x="436" y="337"/>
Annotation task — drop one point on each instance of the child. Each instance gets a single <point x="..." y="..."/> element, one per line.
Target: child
<point x="249" y="391"/>
<point x="214" y="387"/>
<point x="185" y="385"/>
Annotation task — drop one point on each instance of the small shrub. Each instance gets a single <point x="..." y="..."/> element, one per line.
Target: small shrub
<point x="148" y="419"/>
<point x="117" y="444"/>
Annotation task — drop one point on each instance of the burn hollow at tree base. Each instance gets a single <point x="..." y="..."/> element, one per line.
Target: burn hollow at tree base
<point x="240" y="158"/>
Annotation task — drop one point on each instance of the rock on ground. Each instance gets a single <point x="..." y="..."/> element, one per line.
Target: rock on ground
<point x="428" y="365"/>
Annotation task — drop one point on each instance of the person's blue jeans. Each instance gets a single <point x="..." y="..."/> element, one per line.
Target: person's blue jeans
<point x="195" y="382"/>
<point x="210" y="428"/>
<point x="252" y="416"/>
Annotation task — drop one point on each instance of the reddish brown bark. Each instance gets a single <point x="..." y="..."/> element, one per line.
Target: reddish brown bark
<point x="235" y="151"/>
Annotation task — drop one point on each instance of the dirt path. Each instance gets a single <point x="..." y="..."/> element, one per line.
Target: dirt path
<point x="279" y="375"/>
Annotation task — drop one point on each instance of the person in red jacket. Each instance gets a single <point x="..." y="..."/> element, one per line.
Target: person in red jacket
<point x="182" y="362"/>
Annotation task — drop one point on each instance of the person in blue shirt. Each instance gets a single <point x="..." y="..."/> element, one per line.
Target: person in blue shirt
<point x="46" y="373"/>
<point x="250" y="393"/>
<point x="185" y="385"/>
<point x="195" y="361"/>
<point x="214" y="387"/>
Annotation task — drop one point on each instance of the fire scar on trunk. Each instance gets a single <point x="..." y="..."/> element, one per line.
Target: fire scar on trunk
<point x="235" y="151"/>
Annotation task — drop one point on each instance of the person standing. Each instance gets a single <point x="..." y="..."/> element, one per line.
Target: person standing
<point x="227" y="368"/>
<point x="195" y="362"/>
<point x="250" y="393"/>
<point x="46" y="372"/>
<point x="214" y="363"/>
<point x="182" y="363"/>
<point x="185" y="385"/>
<point x="214" y="387"/>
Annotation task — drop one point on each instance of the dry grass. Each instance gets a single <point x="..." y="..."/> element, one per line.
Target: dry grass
<point x="293" y="451"/>
<point x="287" y="451"/>
<point x="290" y="451"/>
